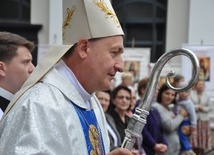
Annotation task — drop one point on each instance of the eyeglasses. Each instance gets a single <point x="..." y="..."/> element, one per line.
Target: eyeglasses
<point x="122" y="97"/>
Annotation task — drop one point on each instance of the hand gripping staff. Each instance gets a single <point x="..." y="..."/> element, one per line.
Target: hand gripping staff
<point x="138" y="119"/>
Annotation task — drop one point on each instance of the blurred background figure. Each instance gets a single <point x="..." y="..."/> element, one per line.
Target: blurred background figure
<point x="113" y="84"/>
<point x="127" y="79"/>
<point x="161" y="81"/>
<point x="177" y="80"/>
<point x="114" y="136"/>
<point x="154" y="141"/>
<point x="189" y="123"/>
<point x="201" y="138"/>
<point x="141" y="89"/>
<point x="169" y="121"/>
<point x="130" y="110"/>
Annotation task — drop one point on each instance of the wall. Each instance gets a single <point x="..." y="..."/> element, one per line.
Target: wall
<point x="177" y="29"/>
<point x="55" y="34"/>
<point x="189" y="21"/>
<point x="201" y="23"/>
<point x="40" y="15"/>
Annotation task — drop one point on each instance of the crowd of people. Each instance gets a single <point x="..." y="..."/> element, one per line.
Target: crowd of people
<point x="177" y="123"/>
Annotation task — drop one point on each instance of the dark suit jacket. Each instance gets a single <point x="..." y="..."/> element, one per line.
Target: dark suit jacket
<point x="120" y="125"/>
<point x="3" y="103"/>
<point x="111" y="123"/>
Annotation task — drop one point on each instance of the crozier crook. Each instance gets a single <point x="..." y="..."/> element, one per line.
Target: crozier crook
<point x="138" y="119"/>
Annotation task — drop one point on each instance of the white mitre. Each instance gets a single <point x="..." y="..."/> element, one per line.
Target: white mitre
<point x="81" y="19"/>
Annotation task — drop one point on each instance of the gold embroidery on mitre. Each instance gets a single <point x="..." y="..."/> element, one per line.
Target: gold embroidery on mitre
<point x="109" y="13"/>
<point x="94" y="140"/>
<point x="66" y="23"/>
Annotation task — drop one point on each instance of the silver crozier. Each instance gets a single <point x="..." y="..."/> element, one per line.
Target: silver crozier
<point x="138" y="119"/>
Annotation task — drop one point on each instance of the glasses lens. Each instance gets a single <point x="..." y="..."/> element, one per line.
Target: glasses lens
<point x="122" y="97"/>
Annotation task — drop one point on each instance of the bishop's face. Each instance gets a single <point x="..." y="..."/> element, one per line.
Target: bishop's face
<point x="104" y="61"/>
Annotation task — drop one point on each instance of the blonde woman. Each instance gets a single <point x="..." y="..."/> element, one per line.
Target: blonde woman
<point x="201" y="137"/>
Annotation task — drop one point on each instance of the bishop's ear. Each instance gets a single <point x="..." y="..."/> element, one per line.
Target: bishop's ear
<point x="83" y="47"/>
<point x="2" y="69"/>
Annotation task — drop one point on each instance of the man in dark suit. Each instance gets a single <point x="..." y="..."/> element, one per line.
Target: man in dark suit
<point x="4" y="99"/>
<point x="15" y="65"/>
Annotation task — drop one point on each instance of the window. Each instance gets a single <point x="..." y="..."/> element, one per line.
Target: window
<point x="15" y="11"/>
<point x="144" y="24"/>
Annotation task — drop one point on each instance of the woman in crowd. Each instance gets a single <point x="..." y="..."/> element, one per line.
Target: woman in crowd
<point x="114" y="136"/>
<point x="201" y="137"/>
<point x="121" y="101"/>
<point x="154" y="141"/>
<point x="169" y="121"/>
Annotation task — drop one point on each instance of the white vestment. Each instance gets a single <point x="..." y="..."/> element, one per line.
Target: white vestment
<point x="1" y="113"/>
<point x="44" y="121"/>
